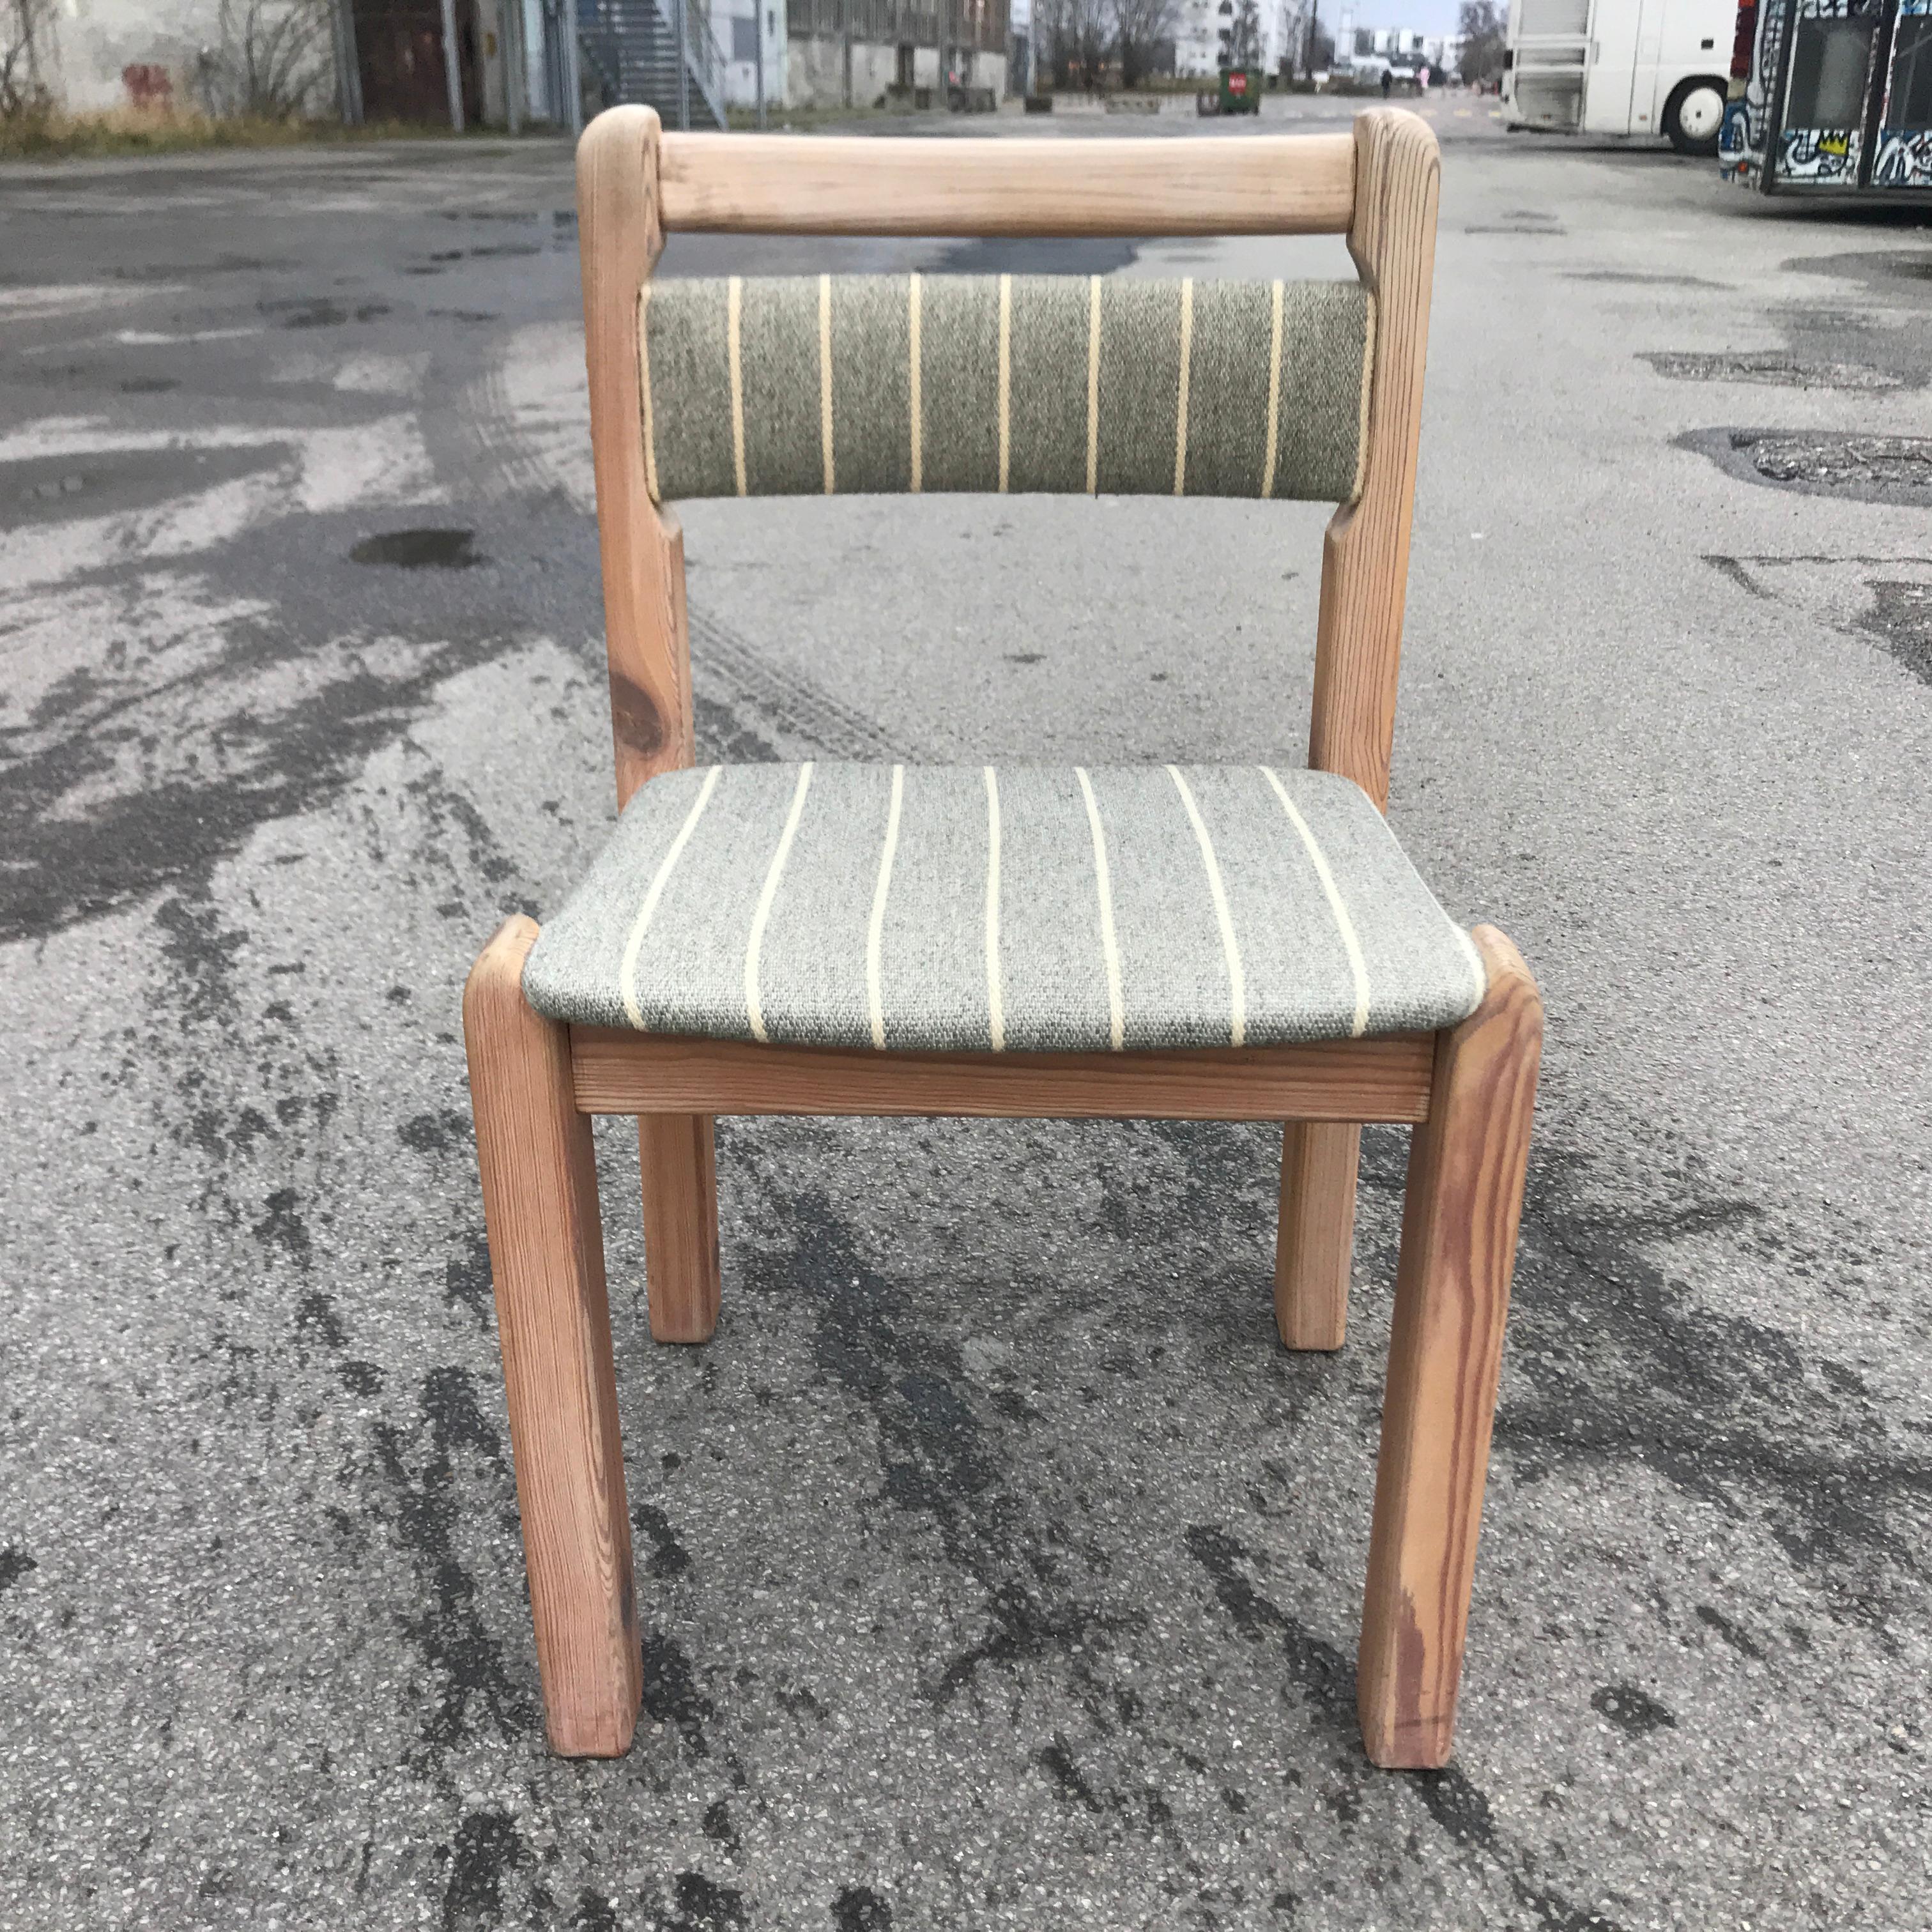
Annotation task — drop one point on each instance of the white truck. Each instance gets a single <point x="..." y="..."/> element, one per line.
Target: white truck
<point x="1620" y="67"/>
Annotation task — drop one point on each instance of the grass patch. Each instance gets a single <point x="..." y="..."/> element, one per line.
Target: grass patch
<point x="46" y="133"/>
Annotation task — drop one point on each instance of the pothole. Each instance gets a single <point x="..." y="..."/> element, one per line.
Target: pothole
<point x="418" y="550"/>
<point x="1772" y="367"/>
<point x="1871" y="469"/>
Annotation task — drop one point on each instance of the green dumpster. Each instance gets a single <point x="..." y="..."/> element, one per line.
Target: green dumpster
<point x="1241" y="90"/>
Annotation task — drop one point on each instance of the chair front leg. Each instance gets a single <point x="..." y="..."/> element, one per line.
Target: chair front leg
<point x="1315" y="1243"/>
<point x="547" y="1261"/>
<point x="1466" y="1167"/>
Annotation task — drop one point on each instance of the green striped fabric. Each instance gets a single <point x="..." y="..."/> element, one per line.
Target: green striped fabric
<point x="791" y="385"/>
<point x="1014" y="908"/>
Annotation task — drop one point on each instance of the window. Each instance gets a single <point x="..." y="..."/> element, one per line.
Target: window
<point x="1911" y="103"/>
<point x="744" y="36"/>
<point x="1828" y="60"/>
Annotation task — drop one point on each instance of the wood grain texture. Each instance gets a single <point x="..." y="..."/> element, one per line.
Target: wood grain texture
<point x="546" y="1262"/>
<point x="1365" y="553"/>
<point x="680" y="1169"/>
<point x="620" y="238"/>
<point x="647" y="643"/>
<point x="1459" y="1234"/>
<point x="762" y="184"/>
<point x="1382" y="1079"/>
<point x="1314" y="1243"/>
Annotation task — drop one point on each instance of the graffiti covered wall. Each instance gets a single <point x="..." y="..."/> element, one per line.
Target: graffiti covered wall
<point x="1903" y="156"/>
<point x="1741" y="141"/>
<point x="1825" y="90"/>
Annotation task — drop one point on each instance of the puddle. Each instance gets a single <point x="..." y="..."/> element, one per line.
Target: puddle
<point x="43" y="490"/>
<point x="465" y="314"/>
<point x="1874" y="269"/>
<point x="51" y="488"/>
<point x="418" y="550"/>
<point x="148" y="385"/>
<point x="1514" y="228"/>
<point x="1001" y="255"/>
<point x="1900" y="618"/>
<point x="1870" y="468"/>
<point x="1771" y="367"/>
<point x="1636" y="278"/>
<point x="1885" y="600"/>
<point x="317" y="312"/>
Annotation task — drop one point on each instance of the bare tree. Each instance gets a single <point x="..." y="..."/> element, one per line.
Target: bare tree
<point x="1095" y="39"/>
<point x="1075" y="37"/>
<point x="1051" y="53"/>
<point x="272" y="59"/>
<point x="1294" y="15"/>
<point x="1244" y="40"/>
<point x="24" y="25"/>
<point x="1140" y="26"/>
<point x="1484" y="27"/>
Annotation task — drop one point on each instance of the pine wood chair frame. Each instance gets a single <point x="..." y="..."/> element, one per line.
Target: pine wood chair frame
<point x="1468" y="1092"/>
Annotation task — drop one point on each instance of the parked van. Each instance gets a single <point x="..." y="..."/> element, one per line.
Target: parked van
<point x="1831" y="97"/>
<point x="1620" y="67"/>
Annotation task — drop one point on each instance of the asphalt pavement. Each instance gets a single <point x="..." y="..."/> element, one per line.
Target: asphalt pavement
<point x="996" y="1567"/>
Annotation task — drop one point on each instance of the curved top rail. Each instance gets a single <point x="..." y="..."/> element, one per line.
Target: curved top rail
<point x="759" y="184"/>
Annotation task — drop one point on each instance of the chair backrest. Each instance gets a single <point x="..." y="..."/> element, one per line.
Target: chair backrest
<point x="788" y="385"/>
<point x="812" y="384"/>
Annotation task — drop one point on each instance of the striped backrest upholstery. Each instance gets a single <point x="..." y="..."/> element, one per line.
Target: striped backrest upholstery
<point x="790" y="385"/>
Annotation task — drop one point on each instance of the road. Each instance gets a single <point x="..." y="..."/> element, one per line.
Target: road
<point x="996" y="1567"/>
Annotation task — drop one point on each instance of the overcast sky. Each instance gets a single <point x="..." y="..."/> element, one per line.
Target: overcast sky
<point x="1427" y="16"/>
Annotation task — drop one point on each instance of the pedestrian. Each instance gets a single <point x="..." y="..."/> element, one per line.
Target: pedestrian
<point x="1388" y="81"/>
<point x="1422" y="78"/>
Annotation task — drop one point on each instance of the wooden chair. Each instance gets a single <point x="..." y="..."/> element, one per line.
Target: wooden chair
<point x="1464" y="1079"/>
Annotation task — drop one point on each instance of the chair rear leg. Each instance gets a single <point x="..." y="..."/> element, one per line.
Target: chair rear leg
<point x="1458" y="1231"/>
<point x="680" y="1194"/>
<point x="547" y="1261"/>
<point x="1316" y="1241"/>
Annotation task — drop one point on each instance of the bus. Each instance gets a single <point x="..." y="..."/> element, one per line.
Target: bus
<point x="1620" y="67"/>
<point x="1831" y="97"/>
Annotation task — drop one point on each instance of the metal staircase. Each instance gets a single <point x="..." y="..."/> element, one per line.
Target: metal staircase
<point x="629" y="49"/>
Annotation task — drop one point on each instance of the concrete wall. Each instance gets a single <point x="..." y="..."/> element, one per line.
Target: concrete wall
<point x="815" y="71"/>
<point x="741" y="76"/>
<point x="87" y="47"/>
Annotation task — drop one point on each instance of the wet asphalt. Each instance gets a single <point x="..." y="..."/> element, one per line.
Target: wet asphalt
<point x="996" y="1566"/>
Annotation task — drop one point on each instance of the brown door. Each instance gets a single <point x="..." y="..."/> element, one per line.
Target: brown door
<point x="399" y="55"/>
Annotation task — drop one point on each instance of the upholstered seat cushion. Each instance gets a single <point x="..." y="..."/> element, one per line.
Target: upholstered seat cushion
<point x="1024" y="909"/>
